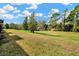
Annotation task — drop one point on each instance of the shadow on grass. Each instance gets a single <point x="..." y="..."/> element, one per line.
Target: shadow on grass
<point x="15" y="37"/>
<point x="48" y="34"/>
<point x="9" y="47"/>
<point x="9" y="33"/>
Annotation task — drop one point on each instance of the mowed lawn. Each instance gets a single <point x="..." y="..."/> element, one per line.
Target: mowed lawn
<point x="47" y="43"/>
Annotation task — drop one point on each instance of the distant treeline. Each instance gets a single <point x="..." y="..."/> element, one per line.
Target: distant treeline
<point x="69" y="22"/>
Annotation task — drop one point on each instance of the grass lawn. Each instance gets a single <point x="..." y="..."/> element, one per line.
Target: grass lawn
<point x="43" y="43"/>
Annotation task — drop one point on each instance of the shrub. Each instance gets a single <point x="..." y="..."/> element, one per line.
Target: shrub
<point x="77" y="28"/>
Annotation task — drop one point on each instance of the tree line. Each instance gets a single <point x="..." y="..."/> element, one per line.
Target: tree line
<point x="28" y="24"/>
<point x="68" y="23"/>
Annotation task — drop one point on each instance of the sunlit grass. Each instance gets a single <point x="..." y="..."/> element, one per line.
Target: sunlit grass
<point x="48" y="42"/>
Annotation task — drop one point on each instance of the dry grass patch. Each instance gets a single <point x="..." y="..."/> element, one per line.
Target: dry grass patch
<point x="48" y="43"/>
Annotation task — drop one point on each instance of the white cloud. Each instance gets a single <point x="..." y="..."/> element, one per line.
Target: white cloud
<point x="33" y="6"/>
<point x="66" y="4"/>
<point x="2" y="11"/>
<point x="55" y="11"/>
<point x="8" y="7"/>
<point x="26" y="13"/>
<point x="8" y="16"/>
<point x="38" y="14"/>
<point x="19" y="15"/>
<point x="16" y="11"/>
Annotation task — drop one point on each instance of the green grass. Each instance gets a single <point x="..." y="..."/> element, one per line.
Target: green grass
<point x="49" y="43"/>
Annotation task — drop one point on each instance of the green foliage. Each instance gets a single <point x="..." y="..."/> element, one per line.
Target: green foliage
<point x="55" y="15"/>
<point x="16" y="26"/>
<point x="42" y="26"/>
<point x="19" y="26"/>
<point x="77" y="22"/>
<point x="12" y="26"/>
<point x="59" y="27"/>
<point x="73" y="18"/>
<point x="77" y="28"/>
<point x="53" y="20"/>
<point x="64" y="19"/>
<point x="32" y="23"/>
<point x="7" y="26"/>
<point x="25" y="24"/>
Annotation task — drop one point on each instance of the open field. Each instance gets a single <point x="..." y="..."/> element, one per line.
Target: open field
<point x="41" y="43"/>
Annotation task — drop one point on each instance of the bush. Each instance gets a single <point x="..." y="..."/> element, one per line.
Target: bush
<point x="77" y="28"/>
<point x="7" y="26"/>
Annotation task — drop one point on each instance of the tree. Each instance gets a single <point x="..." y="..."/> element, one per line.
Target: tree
<point x="7" y="26"/>
<point x="32" y="23"/>
<point x="59" y="27"/>
<point x="25" y="24"/>
<point x="73" y="18"/>
<point x="64" y="19"/>
<point x="19" y="26"/>
<point x="42" y="25"/>
<point x="12" y="26"/>
<point x="76" y="19"/>
<point x="53" y="20"/>
<point x="70" y="20"/>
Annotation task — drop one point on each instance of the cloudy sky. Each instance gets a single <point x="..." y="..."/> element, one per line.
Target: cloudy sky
<point x="15" y="13"/>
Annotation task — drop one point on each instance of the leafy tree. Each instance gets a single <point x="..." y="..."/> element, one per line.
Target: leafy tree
<point x="53" y="20"/>
<point x="7" y="26"/>
<point x="59" y="27"/>
<point x="64" y="19"/>
<point x="73" y="17"/>
<point x="12" y="26"/>
<point x="42" y="25"/>
<point x="25" y="24"/>
<point x="19" y="26"/>
<point x="32" y="23"/>
<point x="68" y="26"/>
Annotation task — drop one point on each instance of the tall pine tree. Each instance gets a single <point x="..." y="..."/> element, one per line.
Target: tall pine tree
<point x="32" y="23"/>
<point x="25" y="24"/>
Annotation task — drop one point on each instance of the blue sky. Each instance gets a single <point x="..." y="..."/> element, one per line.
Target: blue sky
<point x="15" y="13"/>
